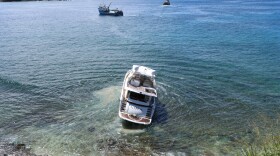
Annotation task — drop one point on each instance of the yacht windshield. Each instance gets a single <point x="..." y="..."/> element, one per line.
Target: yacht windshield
<point x="139" y="97"/>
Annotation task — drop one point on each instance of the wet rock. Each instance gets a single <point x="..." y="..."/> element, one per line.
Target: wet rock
<point x="100" y="144"/>
<point x="249" y="131"/>
<point x="234" y="137"/>
<point x="111" y="142"/>
<point x="20" y="146"/>
<point x="106" y="144"/>
<point x="100" y="141"/>
<point x="7" y="149"/>
<point x="112" y="146"/>
<point x="208" y="153"/>
<point x="91" y="129"/>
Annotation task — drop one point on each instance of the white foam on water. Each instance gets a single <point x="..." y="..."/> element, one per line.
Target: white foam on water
<point x="108" y="95"/>
<point x="132" y="131"/>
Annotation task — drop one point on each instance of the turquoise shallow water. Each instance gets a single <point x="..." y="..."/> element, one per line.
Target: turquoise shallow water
<point x="62" y="67"/>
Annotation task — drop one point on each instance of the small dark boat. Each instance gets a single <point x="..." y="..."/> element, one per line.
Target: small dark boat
<point x="105" y="10"/>
<point x="166" y="2"/>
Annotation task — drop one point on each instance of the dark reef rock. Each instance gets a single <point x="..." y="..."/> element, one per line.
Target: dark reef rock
<point x="91" y="129"/>
<point x="7" y="149"/>
<point x="20" y="146"/>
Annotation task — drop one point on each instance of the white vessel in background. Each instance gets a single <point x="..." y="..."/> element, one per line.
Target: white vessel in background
<point x="138" y="95"/>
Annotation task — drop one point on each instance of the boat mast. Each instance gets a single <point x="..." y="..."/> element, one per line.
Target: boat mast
<point x="109" y="4"/>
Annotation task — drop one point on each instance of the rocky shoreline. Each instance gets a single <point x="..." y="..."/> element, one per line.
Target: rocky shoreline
<point x="28" y="0"/>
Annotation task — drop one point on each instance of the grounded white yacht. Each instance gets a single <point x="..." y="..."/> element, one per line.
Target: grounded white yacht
<point x="138" y="96"/>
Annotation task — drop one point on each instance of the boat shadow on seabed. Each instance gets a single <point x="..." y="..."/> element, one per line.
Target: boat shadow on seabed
<point x="160" y="117"/>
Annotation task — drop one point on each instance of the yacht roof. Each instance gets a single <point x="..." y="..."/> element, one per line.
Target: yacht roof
<point x="135" y="86"/>
<point x="143" y="70"/>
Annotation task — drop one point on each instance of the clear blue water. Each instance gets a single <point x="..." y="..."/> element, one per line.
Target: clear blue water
<point x="62" y="67"/>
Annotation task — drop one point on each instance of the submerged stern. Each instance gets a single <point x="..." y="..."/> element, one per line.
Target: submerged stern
<point x="135" y="113"/>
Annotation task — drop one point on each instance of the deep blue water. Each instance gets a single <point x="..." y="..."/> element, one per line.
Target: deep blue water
<point x="62" y="67"/>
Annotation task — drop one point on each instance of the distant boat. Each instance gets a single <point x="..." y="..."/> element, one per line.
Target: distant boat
<point x="138" y="95"/>
<point x="105" y="10"/>
<point x="166" y="2"/>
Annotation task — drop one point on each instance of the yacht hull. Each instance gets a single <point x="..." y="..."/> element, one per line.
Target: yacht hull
<point x="137" y="110"/>
<point x="111" y="13"/>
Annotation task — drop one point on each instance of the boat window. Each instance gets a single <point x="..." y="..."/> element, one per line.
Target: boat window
<point x="152" y="100"/>
<point x="139" y="97"/>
